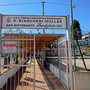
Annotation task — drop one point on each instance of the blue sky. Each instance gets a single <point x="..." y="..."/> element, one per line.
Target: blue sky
<point x="56" y="7"/>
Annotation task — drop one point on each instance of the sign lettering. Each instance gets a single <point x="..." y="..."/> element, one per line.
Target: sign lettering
<point x="34" y="22"/>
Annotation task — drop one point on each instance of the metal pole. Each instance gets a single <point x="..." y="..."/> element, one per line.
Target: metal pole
<point x="59" y="60"/>
<point x="34" y="60"/>
<point x="43" y="13"/>
<point x="26" y="47"/>
<point x="43" y="7"/>
<point x="66" y="55"/>
<point x="30" y="45"/>
<point x="73" y="47"/>
<point x="70" y="56"/>
<point x="71" y="15"/>
<point x="44" y="57"/>
<point x="0" y="40"/>
<point x="18" y="49"/>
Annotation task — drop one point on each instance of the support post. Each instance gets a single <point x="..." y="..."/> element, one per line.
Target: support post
<point x="30" y="45"/>
<point x="34" y="60"/>
<point x="70" y="56"/>
<point x="73" y="47"/>
<point x="0" y="40"/>
<point x="43" y="13"/>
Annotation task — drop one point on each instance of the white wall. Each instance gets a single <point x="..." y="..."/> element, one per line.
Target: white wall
<point x="55" y="70"/>
<point x="61" y="75"/>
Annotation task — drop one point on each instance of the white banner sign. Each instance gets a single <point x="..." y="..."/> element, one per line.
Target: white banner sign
<point x="9" y="47"/>
<point x="34" y="22"/>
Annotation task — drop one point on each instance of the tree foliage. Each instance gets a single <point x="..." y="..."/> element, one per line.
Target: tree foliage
<point x="77" y="30"/>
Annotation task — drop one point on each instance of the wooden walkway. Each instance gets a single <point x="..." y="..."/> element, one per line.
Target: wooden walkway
<point x="44" y="79"/>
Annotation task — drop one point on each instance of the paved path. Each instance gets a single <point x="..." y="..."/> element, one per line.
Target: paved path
<point x="44" y="79"/>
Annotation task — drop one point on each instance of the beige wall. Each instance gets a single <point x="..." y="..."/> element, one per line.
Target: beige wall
<point x="81" y="80"/>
